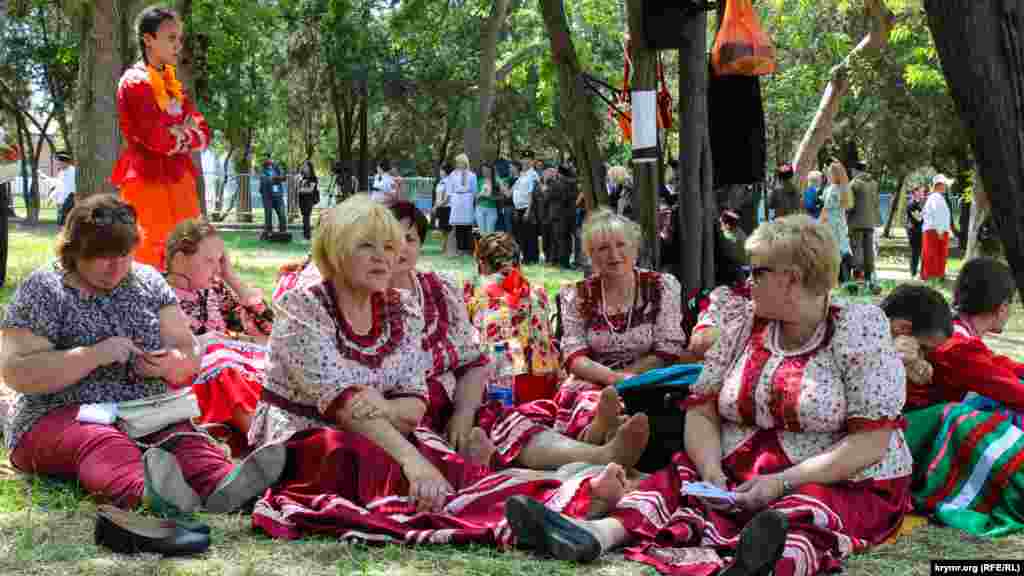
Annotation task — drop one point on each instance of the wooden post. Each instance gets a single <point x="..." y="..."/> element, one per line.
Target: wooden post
<point x="645" y="170"/>
<point x="693" y="127"/>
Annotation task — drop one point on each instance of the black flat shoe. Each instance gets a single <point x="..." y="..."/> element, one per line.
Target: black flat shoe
<point x="554" y="534"/>
<point x="761" y="545"/>
<point x="128" y="533"/>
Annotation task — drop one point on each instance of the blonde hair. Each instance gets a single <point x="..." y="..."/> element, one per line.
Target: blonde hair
<point x="803" y="243"/>
<point x="343" y="227"/>
<point x="462" y="162"/>
<point x="618" y="174"/>
<point x="605" y="221"/>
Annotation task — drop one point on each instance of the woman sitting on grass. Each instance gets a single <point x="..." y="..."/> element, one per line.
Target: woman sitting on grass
<point x="96" y="329"/>
<point x="347" y="384"/>
<point x="797" y="410"/>
<point x="231" y="322"/>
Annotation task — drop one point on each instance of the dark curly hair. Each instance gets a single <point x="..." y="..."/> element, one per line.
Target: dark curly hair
<point x="101" y="226"/>
<point x="498" y="250"/>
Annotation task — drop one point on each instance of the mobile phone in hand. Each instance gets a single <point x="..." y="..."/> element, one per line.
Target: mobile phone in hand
<point x="157" y="353"/>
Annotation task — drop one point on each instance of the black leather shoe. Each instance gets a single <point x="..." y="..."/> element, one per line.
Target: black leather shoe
<point x="128" y="533"/>
<point x="555" y="534"/>
<point x="762" y="542"/>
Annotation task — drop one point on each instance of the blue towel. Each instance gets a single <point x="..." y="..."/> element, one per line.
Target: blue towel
<point x="677" y="375"/>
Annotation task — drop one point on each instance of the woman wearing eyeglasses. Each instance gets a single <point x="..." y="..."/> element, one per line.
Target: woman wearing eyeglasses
<point x="619" y="322"/>
<point x="96" y="329"/>
<point x="161" y="129"/>
<point x="797" y="410"/>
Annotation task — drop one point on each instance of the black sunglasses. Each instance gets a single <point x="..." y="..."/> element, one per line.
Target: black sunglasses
<point x="755" y="272"/>
<point x="104" y="216"/>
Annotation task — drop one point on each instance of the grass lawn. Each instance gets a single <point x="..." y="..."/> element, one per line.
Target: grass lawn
<point x="46" y="526"/>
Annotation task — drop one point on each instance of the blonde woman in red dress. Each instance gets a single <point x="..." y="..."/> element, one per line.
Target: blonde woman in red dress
<point x="161" y="129"/>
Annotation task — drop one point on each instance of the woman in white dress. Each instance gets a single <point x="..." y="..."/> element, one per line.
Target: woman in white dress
<point x="460" y="187"/>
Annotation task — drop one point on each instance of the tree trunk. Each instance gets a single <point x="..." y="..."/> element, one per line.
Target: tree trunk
<point x="101" y="64"/>
<point x="981" y="46"/>
<point x="894" y="208"/>
<point x="695" y="202"/>
<point x="187" y="74"/>
<point x="243" y="168"/>
<point x="645" y="170"/>
<point x="576" y="106"/>
<point x="476" y="129"/>
<point x="821" y="126"/>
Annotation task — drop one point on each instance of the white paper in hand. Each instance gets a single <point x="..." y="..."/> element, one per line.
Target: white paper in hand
<point x="105" y="413"/>
<point x="708" y="491"/>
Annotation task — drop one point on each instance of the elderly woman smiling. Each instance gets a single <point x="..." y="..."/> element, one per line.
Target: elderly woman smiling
<point x="797" y="410"/>
<point x="619" y="322"/>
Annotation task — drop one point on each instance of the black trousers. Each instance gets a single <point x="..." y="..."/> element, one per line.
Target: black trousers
<point x="914" y="235"/>
<point x="306" y="204"/>
<point x="865" y="239"/>
<point x="464" y="237"/>
<point x="525" y="233"/>
<point x="273" y="204"/>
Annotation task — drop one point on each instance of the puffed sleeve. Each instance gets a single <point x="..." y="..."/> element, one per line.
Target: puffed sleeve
<point x="304" y="351"/>
<point x="462" y="335"/>
<point x="574" y="330"/>
<point x="33" y="306"/>
<point x="723" y="305"/>
<point x="870" y="368"/>
<point x="721" y="356"/>
<point x="140" y="116"/>
<point x="199" y="130"/>
<point x="670" y="340"/>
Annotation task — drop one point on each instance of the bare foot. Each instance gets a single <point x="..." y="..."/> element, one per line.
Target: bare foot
<point x="479" y="449"/>
<point x="610" y="484"/>
<point x="606" y="420"/>
<point x="630" y="441"/>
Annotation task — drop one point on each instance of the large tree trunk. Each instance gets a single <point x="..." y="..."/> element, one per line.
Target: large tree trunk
<point x="577" y="110"/>
<point x="821" y="126"/>
<point x="980" y="210"/>
<point x="645" y="171"/>
<point x="102" y="60"/>
<point x="696" y="203"/>
<point x="476" y="130"/>
<point x="187" y="74"/>
<point x="981" y="46"/>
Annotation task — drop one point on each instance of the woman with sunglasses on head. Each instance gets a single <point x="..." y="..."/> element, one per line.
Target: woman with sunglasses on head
<point x="93" y="329"/>
<point x="161" y="129"/>
<point x="231" y="322"/>
<point x="797" y="411"/>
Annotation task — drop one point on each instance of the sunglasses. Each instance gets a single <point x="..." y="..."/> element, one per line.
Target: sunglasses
<point x="104" y="216"/>
<point x="755" y="272"/>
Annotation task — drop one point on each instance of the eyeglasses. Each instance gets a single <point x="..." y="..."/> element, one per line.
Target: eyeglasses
<point x="104" y="216"/>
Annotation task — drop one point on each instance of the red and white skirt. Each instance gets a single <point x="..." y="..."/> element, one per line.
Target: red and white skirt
<point x="679" y="536"/>
<point x="230" y="379"/>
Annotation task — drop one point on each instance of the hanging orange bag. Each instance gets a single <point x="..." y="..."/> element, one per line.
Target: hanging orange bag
<point x="742" y="47"/>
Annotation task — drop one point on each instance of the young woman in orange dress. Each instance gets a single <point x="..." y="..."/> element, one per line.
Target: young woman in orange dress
<point x="161" y="129"/>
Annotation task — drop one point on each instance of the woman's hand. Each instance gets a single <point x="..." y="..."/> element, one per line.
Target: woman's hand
<point x="168" y="365"/>
<point x="759" y="492"/>
<point x="703" y="340"/>
<point x="369" y="405"/>
<point x="427" y="487"/>
<point x="117" y="349"/>
<point x="459" y="428"/>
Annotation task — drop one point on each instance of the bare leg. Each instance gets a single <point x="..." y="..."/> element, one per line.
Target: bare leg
<point x="606" y="420"/>
<point x="549" y="450"/>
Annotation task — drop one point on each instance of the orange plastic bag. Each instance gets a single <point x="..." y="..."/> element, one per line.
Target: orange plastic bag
<point x="742" y="47"/>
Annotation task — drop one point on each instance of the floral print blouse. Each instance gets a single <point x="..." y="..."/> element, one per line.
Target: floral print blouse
<point x="654" y="326"/>
<point x="846" y="379"/>
<point x="316" y="359"/>
<point x="217" y="309"/>
<point x="505" y="308"/>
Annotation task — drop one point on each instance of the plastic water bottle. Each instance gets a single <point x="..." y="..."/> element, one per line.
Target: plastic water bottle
<point x="500" y="388"/>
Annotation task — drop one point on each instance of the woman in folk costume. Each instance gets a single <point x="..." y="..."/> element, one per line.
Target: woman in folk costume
<point x="161" y="128"/>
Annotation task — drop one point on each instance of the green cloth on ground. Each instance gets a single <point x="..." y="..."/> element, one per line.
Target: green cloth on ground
<point x="967" y="468"/>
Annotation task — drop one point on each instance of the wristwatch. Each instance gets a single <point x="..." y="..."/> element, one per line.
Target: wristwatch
<point x="787" y="487"/>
